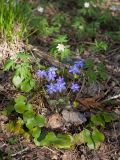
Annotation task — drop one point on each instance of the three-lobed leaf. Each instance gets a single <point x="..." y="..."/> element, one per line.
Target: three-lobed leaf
<point x="17" y="80"/>
<point x="9" y="64"/>
<point x="21" y="106"/>
<point x="36" y="132"/>
<point x="63" y="141"/>
<point x="98" y="120"/>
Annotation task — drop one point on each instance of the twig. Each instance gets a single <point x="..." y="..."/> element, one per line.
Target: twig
<point x="83" y="84"/>
<point x="48" y="149"/>
<point x="111" y="151"/>
<point x="114" y="97"/>
<point x="3" y="145"/>
<point x="20" y="152"/>
<point x="112" y="52"/>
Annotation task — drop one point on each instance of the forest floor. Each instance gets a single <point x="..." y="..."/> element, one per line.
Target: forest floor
<point x="14" y="147"/>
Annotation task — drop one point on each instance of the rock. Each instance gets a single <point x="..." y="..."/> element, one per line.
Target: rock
<point x="55" y="121"/>
<point x="73" y="117"/>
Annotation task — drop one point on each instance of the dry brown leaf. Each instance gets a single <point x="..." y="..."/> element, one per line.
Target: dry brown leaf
<point x="73" y="117"/>
<point x="89" y="102"/>
<point x="55" y="121"/>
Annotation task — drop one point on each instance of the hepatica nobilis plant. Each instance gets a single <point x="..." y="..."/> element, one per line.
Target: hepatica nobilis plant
<point x="56" y="83"/>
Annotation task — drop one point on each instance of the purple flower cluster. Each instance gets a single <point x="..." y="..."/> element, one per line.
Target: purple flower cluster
<point x="75" y="69"/>
<point x="50" y="75"/>
<point x="41" y="73"/>
<point x="59" y="85"/>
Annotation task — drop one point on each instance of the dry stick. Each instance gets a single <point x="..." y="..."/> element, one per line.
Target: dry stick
<point x="3" y="145"/>
<point x="83" y="84"/>
<point x="20" y="152"/>
<point x="112" y="52"/>
<point x="48" y="149"/>
<point x="111" y="98"/>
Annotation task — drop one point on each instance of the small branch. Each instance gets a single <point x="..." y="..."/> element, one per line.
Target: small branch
<point x="20" y="152"/>
<point x="111" y="98"/>
<point x="4" y="145"/>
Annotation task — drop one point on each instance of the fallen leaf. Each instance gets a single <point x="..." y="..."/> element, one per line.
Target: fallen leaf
<point x="89" y="102"/>
<point x="55" y="121"/>
<point x="3" y="118"/>
<point x="73" y="117"/>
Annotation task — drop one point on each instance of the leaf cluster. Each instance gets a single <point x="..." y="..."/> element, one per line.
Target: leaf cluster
<point x="91" y="135"/>
<point x="60" y="39"/>
<point x="22" y="77"/>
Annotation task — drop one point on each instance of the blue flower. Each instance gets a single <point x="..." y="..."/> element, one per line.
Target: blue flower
<point x="74" y="69"/>
<point x="51" y="74"/>
<point x="41" y="73"/>
<point x="79" y="63"/>
<point x="60" y="86"/>
<point x="52" y="70"/>
<point x="75" y="87"/>
<point x="60" y="80"/>
<point x="51" y="88"/>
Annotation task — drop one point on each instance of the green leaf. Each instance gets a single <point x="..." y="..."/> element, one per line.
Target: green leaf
<point x="85" y="136"/>
<point x="9" y="64"/>
<point x="77" y="138"/>
<point x="97" y="136"/>
<point x="32" y="120"/>
<point x="91" y="144"/>
<point x="31" y="123"/>
<point x="20" y="108"/>
<point x="101" y="71"/>
<point x="17" y="80"/>
<point x="89" y="64"/>
<point x="20" y="105"/>
<point x="28" y="115"/>
<point x="107" y="117"/>
<point x="63" y="141"/>
<point x="20" y="99"/>
<point x="36" y="132"/>
<point x="97" y="120"/>
<point x="60" y="39"/>
<point x="29" y="107"/>
<point x="113" y="116"/>
<point x="92" y="76"/>
<point x="40" y="120"/>
<point x="32" y="83"/>
<point x="8" y="110"/>
<point x="27" y="85"/>
<point x="23" y="56"/>
<point x="37" y="143"/>
<point x="25" y="70"/>
<point x="49" y="139"/>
